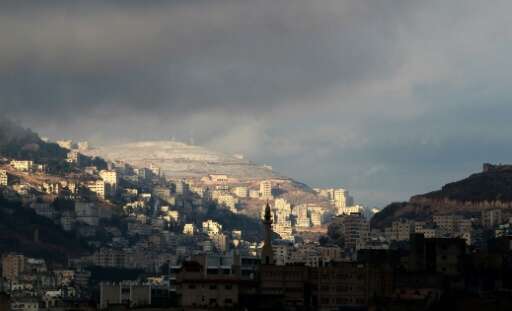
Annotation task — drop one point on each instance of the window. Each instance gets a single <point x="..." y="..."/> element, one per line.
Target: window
<point x="229" y="286"/>
<point x="191" y="286"/>
<point x="213" y="286"/>
<point x="228" y="301"/>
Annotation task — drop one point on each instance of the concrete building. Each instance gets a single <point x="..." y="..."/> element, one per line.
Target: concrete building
<point x="128" y="293"/>
<point x="241" y="191"/>
<point x="266" y="190"/>
<point x="347" y="210"/>
<point x="3" y="178"/>
<point x="87" y="213"/>
<point x="97" y="187"/>
<point x="110" y="180"/>
<point x="342" y="284"/>
<point x="491" y="218"/>
<point x="220" y="241"/>
<point x="67" y="144"/>
<point x="438" y="255"/>
<point x="22" y="165"/>
<point x="254" y="194"/>
<point x="401" y="230"/>
<point x="12" y="266"/>
<point x="110" y="258"/>
<point x="211" y="227"/>
<point x="302" y="219"/>
<point x="228" y="201"/>
<point x="341" y="199"/>
<point x="25" y="304"/>
<point x="73" y="156"/>
<point x="182" y="187"/>
<point x="189" y="229"/>
<point x="354" y="228"/>
<point x="200" y="287"/>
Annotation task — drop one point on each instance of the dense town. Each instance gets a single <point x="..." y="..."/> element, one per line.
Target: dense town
<point x="216" y="242"/>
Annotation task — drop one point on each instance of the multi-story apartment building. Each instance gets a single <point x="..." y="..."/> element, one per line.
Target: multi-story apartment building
<point x="302" y="219"/>
<point x="12" y="266"/>
<point x="401" y="229"/>
<point x="110" y="179"/>
<point x="22" y="165"/>
<point x="241" y="191"/>
<point x="73" y="156"/>
<point x="67" y="144"/>
<point x="220" y="241"/>
<point x="211" y="227"/>
<point x="108" y="257"/>
<point x="491" y="218"/>
<point x="127" y="293"/>
<point x="199" y="287"/>
<point x="182" y="187"/>
<point x="228" y="201"/>
<point x="342" y="283"/>
<point x="347" y="210"/>
<point x="354" y="228"/>
<point x="266" y="190"/>
<point x="87" y="213"/>
<point x="189" y="229"/>
<point x="97" y="187"/>
<point x="451" y="225"/>
<point x="3" y="178"/>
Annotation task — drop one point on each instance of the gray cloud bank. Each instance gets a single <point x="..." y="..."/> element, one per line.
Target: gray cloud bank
<point x="388" y="98"/>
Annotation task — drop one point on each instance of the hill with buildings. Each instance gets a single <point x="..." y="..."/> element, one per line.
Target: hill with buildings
<point x="489" y="189"/>
<point x="22" y="230"/>
<point x="21" y="143"/>
<point x="17" y="142"/>
<point x="180" y="160"/>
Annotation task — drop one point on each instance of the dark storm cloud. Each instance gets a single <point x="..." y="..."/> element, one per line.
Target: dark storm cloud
<point x="75" y="58"/>
<point x="371" y="95"/>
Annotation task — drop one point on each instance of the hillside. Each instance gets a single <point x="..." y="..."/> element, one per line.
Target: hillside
<point x="177" y="159"/>
<point x="17" y="233"/>
<point x="20" y="143"/>
<point x="17" y="142"/>
<point x="491" y="188"/>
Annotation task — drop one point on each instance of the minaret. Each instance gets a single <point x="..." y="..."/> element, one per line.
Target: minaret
<point x="267" y="255"/>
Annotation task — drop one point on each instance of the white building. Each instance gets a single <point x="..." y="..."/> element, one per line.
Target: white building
<point x="227" y="200"/>
<point x="3" y="178"/>
<point x="189" y="229"/>
<point x="110" y="179"/>
<point x="22" y="165"/>
<point x="211" y="227"/>
<point x="240" y="191"/>
<point x="347" y="210"/>
<point x="266" y="190"/>
<point x="98" y="187"/>
<point x="73" y="156"/>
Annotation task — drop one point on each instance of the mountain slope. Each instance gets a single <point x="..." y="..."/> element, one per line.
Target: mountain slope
<point x="177" y="159"/>
<point x="17" y="142"/>
<point x="20" y="143"/>
<point x="17" y="233"/>
<point x="490" y="188"/>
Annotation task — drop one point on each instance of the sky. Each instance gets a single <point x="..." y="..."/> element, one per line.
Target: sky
<point x="385" y="98"/>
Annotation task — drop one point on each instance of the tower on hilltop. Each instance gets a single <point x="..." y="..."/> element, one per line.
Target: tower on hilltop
<point x="267" y="255"/>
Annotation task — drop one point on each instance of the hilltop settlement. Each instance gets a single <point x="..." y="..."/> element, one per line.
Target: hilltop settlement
<point x="79" y="232"/>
